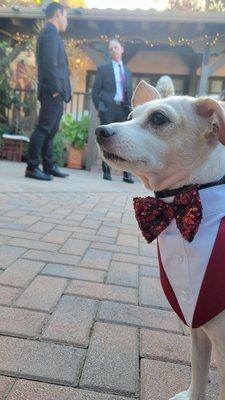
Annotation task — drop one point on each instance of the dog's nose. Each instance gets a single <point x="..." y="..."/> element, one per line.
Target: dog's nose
<point x="104" y="131"/>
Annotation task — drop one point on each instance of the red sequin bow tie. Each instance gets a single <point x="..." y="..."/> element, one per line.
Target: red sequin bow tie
<point x="154" y="215"/>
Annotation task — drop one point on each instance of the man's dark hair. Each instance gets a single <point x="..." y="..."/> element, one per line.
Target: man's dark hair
<point x="52" y="8"/>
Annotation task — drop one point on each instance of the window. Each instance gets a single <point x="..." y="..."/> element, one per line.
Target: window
<point x="180" y="82"/>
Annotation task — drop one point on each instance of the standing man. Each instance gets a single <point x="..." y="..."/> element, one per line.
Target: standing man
<point x="111" y="94"/>
<point x="53" y="89"/>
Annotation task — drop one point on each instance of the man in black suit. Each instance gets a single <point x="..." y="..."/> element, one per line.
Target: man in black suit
<point x="111" y="94"/>
<point x="53" y="89"/>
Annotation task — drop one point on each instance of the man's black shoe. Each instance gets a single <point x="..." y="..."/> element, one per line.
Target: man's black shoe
<point x="107" y="176"/>
<point x="55" y="171"/>
<point x="128" y="180"/>
<point x="127" y="177"/>
<point x="36" y="173"/>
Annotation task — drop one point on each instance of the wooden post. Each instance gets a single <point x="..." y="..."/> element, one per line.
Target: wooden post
<point x="205" y="71"/>
<point x="193" y="77"/>
<point x="92" y="150"/>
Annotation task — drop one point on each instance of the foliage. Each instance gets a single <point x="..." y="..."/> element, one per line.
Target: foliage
<point x="198" y="5"/>
<point x="75" y="132"/>
<point x="58" y="150"/>
<point x="68" y="3"/>
<point x="9" y="50"/>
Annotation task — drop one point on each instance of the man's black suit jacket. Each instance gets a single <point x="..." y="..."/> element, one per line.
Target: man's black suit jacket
<point x="53" y="69"/>
<point x="104" y="88"/>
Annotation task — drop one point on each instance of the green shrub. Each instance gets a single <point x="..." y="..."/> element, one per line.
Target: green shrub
<point x="75" y="132"/>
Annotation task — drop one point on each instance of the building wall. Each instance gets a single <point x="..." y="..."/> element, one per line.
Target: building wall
<point x="155" y="62"/>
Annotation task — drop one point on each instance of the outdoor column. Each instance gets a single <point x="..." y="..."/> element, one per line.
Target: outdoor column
<point x="205" y="71"/>
<point x="92" y="151"/>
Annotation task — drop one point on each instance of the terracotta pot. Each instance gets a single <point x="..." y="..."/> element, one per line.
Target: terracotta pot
<point x="75" y="157"/>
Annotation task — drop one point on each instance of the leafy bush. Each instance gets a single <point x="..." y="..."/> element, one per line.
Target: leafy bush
<point x="58" y="150"/>
<point x="75" y="132"/>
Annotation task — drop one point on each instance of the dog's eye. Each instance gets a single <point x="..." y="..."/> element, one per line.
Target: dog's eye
<point x="158" y="119"/>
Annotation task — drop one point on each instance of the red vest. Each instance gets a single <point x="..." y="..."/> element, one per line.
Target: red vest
<point x="195" y="288"/>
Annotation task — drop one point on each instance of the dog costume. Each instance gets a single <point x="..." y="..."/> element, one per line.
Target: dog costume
<point x="191" y="261"/>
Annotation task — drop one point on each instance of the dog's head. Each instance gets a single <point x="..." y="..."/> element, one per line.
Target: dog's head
<point x="165" y="140"/>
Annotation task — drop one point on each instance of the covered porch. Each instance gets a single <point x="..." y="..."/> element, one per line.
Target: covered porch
<point x="187" y="46"/>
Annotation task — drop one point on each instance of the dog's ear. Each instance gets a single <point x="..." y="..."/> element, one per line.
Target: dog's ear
<point x="144" y="93"/>
<point x="215" y="113"/>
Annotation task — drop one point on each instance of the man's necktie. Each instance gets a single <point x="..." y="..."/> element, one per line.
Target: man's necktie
<point x="122" y="81"/>
<point x="154" y="215"/>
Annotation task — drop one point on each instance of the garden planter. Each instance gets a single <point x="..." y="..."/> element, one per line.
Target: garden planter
<point x="76" y="157"/>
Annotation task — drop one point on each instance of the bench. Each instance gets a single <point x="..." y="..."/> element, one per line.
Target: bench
<point x="12" y="147"/>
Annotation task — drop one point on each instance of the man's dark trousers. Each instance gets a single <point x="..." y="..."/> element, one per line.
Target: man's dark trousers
<point x="41" y="141"/>
<point x="117" y="113"/>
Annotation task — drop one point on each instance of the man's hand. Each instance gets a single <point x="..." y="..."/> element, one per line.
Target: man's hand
<point x="55" y="94"/>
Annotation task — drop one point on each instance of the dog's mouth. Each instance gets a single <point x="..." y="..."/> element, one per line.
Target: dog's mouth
<point x="112" y="157"/>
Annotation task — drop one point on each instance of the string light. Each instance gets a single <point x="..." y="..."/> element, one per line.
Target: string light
<point x="169" y="41"/>
<point x="182" y="41"/>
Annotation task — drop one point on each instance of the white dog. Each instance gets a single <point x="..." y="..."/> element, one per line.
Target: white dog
<point x="176" y="147"/>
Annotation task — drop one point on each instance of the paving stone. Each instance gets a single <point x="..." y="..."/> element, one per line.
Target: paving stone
<point x="112" y="360"/>
<point x="115" y="247"/>
<point x="8" y="254"/>
<point x="20" y="322"/>
<point x="56" y="236"/>
<point x="31" y="390"/>
<point x="99" y="211"/>
<point x="102" y="291"/>
<point x="75" y="216"/>
<point x="16" y="213"/>
<point x="33" y="244"/>
<point x="91" y="223"/>
<point x="165" y="346"/>
<point x="75" y="246"/>
<point x="28" y="219"/>
<point x="113" y="216"/>
<point x="152" y="271"/>
<point x="151" y="293"/>
<point x="123" y="274"/>
<point x="72" y="321"/>
<point x="8" y="294"/>
<point x="6" y="219"/>
<point x="131" y="258"/>
<point x="77" y="230"/>
<point x="20" y="234"/>
<point x="40" y="360"/>
<point x="42" y="294"/>
<point x="148" y="250"/>
<point x="5" y="385"/>
<point x="21" y="272"/>
<point x="99" y="259"/>
<point x="41" y="227"/>
<point x="107" y="231"/>
<point x="131" y="230"/>
<point x="12" y="225"/>
<point x="60" y="222"/>
<point x="160" y="380"/>
<point x="127" y="240"/>
<point x="138" y="316"/>
<point x="94" y="237"/>
<point x="52" y="257"/>
<point x="67" y="271"/>
<point x="4" y="240"/>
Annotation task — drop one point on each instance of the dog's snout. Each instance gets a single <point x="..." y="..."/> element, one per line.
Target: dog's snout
<point x="104" y="131"/>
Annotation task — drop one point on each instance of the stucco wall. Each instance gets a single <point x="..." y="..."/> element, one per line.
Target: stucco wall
<point x="155" y="62"/>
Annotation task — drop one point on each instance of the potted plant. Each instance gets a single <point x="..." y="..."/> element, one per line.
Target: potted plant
<point x="75" y="133"/>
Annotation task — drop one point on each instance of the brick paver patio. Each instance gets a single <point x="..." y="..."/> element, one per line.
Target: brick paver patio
<point x="82" y="313"/>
